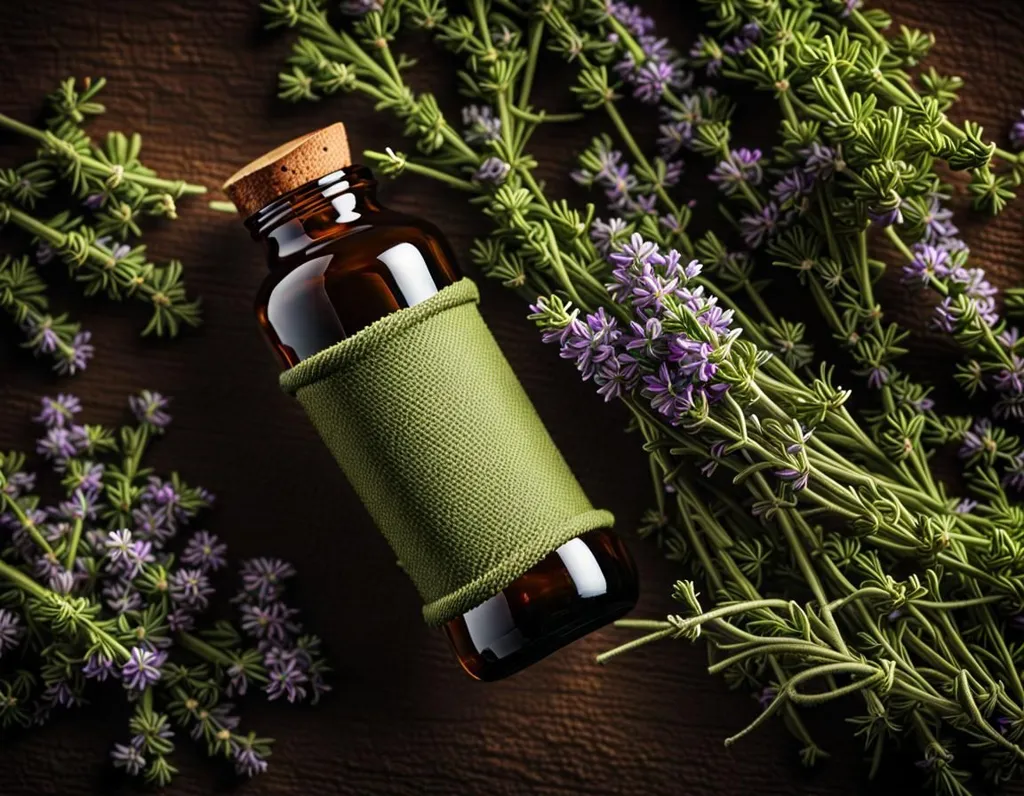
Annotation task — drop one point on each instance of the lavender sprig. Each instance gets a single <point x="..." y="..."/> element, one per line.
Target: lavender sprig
<point x="109" y="193"/>
<point x="110" y="602"/>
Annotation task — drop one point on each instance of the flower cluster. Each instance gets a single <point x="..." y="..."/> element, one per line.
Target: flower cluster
<point x="656" y="66"/>
<point x="116" y="582"/>
<point x="107" y="192"/>
<point x="676" y="369"/>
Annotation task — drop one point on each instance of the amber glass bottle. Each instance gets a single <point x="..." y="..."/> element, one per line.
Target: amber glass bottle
<point x="338" y="261"/>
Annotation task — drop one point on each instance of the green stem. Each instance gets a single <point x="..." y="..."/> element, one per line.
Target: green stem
<point x="27" y="524"/>
<point x="76" y="535"/>
<point x="98" y="167"/>
<point x="536" y="36"/>
<point x="212" y="654"/>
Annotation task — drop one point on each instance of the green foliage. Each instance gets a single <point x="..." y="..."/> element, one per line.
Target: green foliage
<point x="105" y="192"/>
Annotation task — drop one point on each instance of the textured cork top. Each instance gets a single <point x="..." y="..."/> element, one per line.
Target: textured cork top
<point x="284" y="169"/>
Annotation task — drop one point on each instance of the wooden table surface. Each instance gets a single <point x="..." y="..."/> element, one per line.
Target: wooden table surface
<point x="197" y="78"/>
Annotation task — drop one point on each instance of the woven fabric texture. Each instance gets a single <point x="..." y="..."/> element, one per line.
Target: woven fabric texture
<point x="431" y="426"/>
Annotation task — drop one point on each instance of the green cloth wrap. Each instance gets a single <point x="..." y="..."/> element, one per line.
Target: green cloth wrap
<point x="431" y="426"/>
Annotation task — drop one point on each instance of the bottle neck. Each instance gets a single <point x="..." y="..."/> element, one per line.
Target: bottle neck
<point x="300" y="221"/>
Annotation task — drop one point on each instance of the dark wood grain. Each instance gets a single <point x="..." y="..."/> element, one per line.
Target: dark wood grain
<point x="197" y="79"/>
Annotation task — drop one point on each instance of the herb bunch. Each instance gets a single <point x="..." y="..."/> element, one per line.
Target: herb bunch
<point x="106" y="590"/>
<point x="793" y="212"/>
<point x="835" y="561"/>
<point x="83" y="203"/>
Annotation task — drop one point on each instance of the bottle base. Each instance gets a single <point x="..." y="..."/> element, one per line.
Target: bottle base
<point x="582" y="586"/>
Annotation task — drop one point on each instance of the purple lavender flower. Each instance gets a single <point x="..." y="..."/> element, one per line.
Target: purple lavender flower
<point x="248" y="761"/>
<point x="57" y="445"/>
<point x="1009" y="337"/>
<point x="928" y="262"/>
<point x="766" y="696"/>
<point x="180" y="620"/>
<point x="481" y="125"/>
<point x="791" y="188"/>
<point x="716" y="453"/>
<point x="44" y="253"/>
<point x="706" y="52"/>
<point x="18" y="483"/>
<point x="77" y="357"/>
<point x="849" y="6"/>
<point x="82" y="505"/>
<point x="966" y="506"/>
<point x="631" y="17"/>
<point x="820" y="161"/>
<point x="741" y="166"/>
<point x="238" y="680"/>
<point x="262" y="577"/>
<point x="150" y="408"/>
<point x="143" y="668"/>
<point x="122" y="597"/>
<point x="878" y="375"/>
<point x="1011" y="378"/>
<point x="619" y="186"/>
<point x="974" y="283"/>
<point x="10" y="630"/>
<point x="797" y="479"/>
<point x="125" y="556"/>
<point x="359" y="8"/>
<point x="651" y="80"/>
<point x="1017" y="132"/>
<point x="938" y="221"/>
<point x="206" y="551"/>
<point x="271" y="622"/>
<point x="493" y="170"/>
<point x="1014" y="478"/>
<point x="287" y="680"/>
<point x="945" y="318"/>
<point x="42" y="338"/>
<point x="651" y="289"/>
<point x="673" y="173"/>
<point x="94" y="201"/>
<point x="607" y="161"/>
<point x="605" y="234"/>
<point x="884" y="216"/>
<point x="99" y="667"/>
<point x="591" y="343"/>
<point x="129" y="757"/>
<point x="191" y="588"/>
<point x="987" y="310"/>
<point x="152" y="523"/>
<point x="716" y="319"/>
<point x="978" y="441"/>
<point x="59" y="693"/>
<point x="692" y="357"/>
<point x="647" y="338"/>
<point x="90" y="477"/>
<point x="748" y="36"/>
<point x="616" y="377"/>
<point x="757" y="227"/>
<point x="62" y="582"/>
<point x="637" y="253"/>
<point x="58" y="412"/>
<point x="672" y="137"/>
<point x="165" y="497"/>
<point x="669" y="396"/>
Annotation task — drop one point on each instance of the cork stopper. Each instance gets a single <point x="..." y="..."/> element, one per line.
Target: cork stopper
<point x="284" y="169"/>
